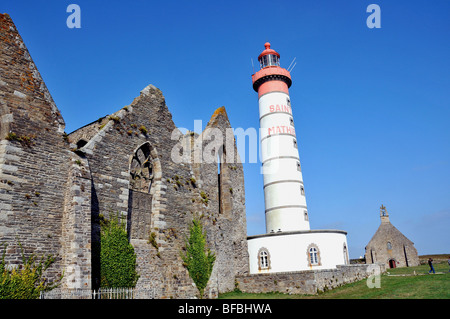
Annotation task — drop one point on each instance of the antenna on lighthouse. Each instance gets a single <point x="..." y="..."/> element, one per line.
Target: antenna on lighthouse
<point x="292" y="67"/>
<point x="253" y="66"/>
<point x="291" y="63"/>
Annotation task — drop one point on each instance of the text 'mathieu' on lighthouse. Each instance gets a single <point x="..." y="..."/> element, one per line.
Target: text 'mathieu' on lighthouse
<point x="284" y="192"/>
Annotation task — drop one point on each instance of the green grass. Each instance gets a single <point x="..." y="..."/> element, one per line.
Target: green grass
<point x="420" y="286"/>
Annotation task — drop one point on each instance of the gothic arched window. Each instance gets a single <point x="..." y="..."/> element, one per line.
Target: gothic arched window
<point x="144" y="187"/>
<point x="141" y="169"/>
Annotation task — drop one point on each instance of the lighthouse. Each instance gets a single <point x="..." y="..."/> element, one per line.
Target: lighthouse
<point x="289" y="244"/>
<point x="284" y="191"/>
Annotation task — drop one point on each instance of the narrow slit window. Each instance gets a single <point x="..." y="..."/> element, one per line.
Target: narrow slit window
<point x="264" y="260"/>
<point x="313" y="258"/>
<point x="345" y="255"/>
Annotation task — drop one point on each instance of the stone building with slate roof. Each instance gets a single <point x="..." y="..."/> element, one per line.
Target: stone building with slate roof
<point x="389" y="246"/>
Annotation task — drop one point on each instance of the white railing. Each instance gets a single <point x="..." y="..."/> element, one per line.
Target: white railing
<point x="103" y="293"/>
<point x="113" y="293"/>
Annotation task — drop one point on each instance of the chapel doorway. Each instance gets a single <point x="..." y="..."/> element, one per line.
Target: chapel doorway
<point x="392" y="263"/>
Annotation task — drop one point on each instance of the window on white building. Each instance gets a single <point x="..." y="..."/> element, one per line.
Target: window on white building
<point x="313" y="255"/>
<point x="313" y="259"/>
<point x="263" y="259"/>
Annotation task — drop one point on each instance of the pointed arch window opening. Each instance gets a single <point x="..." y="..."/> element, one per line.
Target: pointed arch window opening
<point x="144" y="177"/>
<point x="141" y="169"/>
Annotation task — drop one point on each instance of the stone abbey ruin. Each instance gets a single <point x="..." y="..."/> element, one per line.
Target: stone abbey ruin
<point x="54" y="186"/>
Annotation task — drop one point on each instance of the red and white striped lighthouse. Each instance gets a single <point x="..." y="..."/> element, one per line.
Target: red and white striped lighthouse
<point x="284" y="192"/>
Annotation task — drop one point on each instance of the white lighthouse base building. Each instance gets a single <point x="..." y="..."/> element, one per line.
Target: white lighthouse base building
<point x="297" y="251"/>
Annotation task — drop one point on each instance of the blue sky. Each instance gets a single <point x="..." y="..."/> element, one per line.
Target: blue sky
<point x="371" y="106"/>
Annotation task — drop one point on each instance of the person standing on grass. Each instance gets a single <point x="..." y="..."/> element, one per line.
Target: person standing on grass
<point x="448" y="261"/>
<point x="430" y="263"/>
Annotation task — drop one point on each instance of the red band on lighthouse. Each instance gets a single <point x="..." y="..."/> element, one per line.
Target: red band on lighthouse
<point x="272" y="86"/>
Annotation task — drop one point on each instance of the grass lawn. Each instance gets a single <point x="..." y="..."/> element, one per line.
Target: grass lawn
<point x="410" y="286"/>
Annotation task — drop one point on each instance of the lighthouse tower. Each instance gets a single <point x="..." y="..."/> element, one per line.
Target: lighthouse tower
<point x="288" y="244"/>
<point x="284" y="192"/>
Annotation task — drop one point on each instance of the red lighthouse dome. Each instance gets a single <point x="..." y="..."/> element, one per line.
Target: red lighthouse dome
<point x="271" y="77"/>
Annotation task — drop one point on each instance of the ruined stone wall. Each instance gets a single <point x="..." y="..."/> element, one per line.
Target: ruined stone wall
<point x="76" y="245"/>
<point x="227" y="196"/>
<point x="158" y="218"/>
<point x="34" y="157"/>
<point x="55" y="188"/>
<point x="168" y="205"/>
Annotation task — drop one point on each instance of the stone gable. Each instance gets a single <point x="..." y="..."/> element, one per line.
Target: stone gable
<point x="388" y="246"/>
<point x="55" y="187"/>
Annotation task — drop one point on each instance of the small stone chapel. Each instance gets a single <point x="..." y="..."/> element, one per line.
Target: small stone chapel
<point x="389" y="246"/>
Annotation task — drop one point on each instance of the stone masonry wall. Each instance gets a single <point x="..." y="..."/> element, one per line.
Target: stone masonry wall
<point x="33" y="155"/>
<point x="76" y="227"/>
<point x="227" y="199"/>
<point x="305" y="282"/>
<point x="174" y="198"/>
